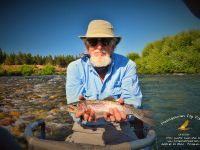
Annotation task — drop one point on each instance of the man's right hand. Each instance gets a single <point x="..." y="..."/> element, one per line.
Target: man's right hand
<point x="87" y="114"/>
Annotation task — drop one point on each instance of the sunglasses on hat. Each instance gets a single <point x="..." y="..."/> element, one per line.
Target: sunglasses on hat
<point x="104" y="41"/>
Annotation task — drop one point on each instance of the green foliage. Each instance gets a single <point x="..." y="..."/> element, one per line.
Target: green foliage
<point x="38" y="60"/>
<point x="47" y="70"/>
<point x="64" y="61"/>
<point x="2" y="56"/>
<point x="1" y="71"/>
<point x="10" y="59"/>
<point x="26" y="70"/>
<point x="175" y="54"/>
<point x="27" y="58"/>
<point x="133" y="56"/>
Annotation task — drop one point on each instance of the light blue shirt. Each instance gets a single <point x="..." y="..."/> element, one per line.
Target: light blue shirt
<point x="121" y="80"/>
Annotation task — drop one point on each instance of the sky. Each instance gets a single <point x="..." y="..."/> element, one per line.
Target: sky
<point x="52" y="27"/>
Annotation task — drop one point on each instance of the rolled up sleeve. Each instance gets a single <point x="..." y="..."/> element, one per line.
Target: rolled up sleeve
<point x="74" y="85"/>
<point x="130" y="86"/>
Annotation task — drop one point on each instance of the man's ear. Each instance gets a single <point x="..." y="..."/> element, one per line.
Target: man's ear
<point x="113" y="47"/>
<point x="84" y="42"/>
<point x="87" y="47"/>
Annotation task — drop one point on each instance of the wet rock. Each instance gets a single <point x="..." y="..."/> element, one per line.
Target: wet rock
<point x="27" y="117"/>
<point x="63" y="108"/>
<point x="16" y="131"/>
<point x="6" y="121"/>
<point x="2" y="115"/>
<point x="55" y="125"/>
<point x="54" y="111"/>
<point x="52" y="97"/>
<point x="50" y="117"/>
<point x="20" y="123"/>
<point x="14" y="114"/>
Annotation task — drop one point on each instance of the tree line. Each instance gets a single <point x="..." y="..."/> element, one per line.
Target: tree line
<point x="173" y="54"/>
<point x="27" y="58"/>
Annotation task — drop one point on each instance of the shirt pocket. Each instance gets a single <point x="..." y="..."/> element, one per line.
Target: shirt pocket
<point x="90" y="95"/>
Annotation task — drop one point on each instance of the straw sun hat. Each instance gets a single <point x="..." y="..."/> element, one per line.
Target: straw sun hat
<point x="100" y="29"/>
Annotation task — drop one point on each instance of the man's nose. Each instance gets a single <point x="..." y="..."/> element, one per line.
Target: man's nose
<point x="99" y="45"/>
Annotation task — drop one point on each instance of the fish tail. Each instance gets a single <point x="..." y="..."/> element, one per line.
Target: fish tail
<point x="143" y="115"/>
<point x="147" y="121"/>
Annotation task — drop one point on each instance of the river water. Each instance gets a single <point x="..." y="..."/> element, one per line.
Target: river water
<point x="173" y="99"/>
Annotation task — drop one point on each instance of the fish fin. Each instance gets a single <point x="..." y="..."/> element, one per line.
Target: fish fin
<point x="147" y="113"/>
<point x="109" y="98"/>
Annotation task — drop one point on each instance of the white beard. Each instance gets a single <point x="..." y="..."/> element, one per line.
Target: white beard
<point x="99" y="60"/>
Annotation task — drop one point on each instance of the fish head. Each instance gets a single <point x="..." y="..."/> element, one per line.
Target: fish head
<point x="72" y="108"/>
<point x="76" y="107"/>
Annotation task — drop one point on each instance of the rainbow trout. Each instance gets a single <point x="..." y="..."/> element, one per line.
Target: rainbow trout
<point x="102" y="106"/>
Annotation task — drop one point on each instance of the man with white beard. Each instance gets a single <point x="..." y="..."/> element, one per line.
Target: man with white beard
<point x="102" y="74"/>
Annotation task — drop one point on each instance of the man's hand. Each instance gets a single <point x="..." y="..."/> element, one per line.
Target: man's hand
<point x="114" y="114"/>
<point x="88" y="114"/>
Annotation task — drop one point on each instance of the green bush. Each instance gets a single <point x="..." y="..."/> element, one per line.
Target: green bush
<point x="174" y="54"/>
<point x="48" y="70"/>
<point x="2" y="71"/>
<point x="26" y="70"/>
<point x="133" y="56"/>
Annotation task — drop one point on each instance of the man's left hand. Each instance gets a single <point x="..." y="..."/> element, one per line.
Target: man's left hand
<point x="116" y="115"/>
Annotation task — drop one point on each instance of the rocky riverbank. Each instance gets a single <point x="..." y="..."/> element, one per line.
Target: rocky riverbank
<point x="26" y="99"/>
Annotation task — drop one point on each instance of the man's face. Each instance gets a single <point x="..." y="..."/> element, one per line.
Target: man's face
<point x="100" y="50"/>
